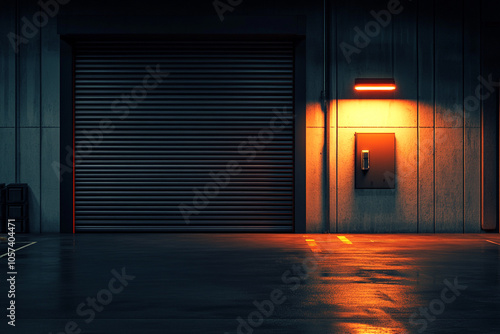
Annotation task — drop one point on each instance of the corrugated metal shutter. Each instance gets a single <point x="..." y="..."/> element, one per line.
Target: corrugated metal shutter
<point x="146" y="156"/>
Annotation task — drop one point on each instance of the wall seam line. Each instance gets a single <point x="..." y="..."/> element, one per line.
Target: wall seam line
<point x="463" y="116"/>
<point x="336" y="122"/>
<point x="434" y="110"/>
<point x="418" y="119"/>
<point x="40" y="127"/>
<point x="17" y="99"/>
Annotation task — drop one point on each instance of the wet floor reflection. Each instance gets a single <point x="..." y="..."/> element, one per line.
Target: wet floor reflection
<point x="369" y="288"/>
<point x="362" y="284"/>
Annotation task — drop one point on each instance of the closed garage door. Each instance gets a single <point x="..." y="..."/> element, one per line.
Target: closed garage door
<point x="184" y="136"/>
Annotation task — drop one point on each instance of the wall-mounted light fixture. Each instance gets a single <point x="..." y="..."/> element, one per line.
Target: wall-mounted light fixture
<point x="374" y="85"/>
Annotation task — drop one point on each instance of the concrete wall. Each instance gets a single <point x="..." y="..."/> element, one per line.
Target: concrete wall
<point x="431" y="48"/>
<point x="29" y="116"/>
<point x="30" y="78"/>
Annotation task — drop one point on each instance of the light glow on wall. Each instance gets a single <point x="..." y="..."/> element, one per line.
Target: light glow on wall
<point x="377" y="113"/>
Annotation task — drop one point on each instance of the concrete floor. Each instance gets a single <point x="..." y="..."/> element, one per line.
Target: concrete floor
<point x="275" y="283"/>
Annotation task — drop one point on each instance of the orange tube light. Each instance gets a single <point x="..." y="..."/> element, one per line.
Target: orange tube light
<point x="374" y="85"/>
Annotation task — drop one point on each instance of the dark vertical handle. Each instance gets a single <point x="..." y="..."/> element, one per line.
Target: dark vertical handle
<point x="365" y="160"/>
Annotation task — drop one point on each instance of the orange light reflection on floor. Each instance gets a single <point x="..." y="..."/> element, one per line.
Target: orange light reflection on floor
<point x="366" y="286"/>
<point x="313" y="245"/>
<point x="370" y="329"/>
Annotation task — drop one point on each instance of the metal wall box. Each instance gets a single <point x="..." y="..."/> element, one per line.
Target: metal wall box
<point x="375" y="160"/>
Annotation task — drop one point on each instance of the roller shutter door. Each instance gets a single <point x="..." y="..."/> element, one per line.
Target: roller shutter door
<point x="207" y="145"/>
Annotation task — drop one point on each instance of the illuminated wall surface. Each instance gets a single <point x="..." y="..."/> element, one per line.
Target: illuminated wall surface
<point x="432" y="49"/>
<point x="435" y="60"/>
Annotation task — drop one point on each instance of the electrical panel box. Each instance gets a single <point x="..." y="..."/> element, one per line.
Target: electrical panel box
<point x="375" y="166"/>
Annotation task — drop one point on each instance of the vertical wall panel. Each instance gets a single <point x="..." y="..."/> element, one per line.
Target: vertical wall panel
<point x="425" y="63"/>
<point x="332" y="127"/>
<point x="333" y="175"/>
<point x="30" y="172"/>
<point x="314" y="66"/>
<point x="426" y="181"/>
<point x="7" y="94"/>
<point x="315" y="121"/>
<point x="50" y="119"/>
<point x="472" y="165"/>
<point x="314" y="179"/>
<point x="449" y="63"/>
<point x="449" y="114"/>
<point x="50" y="74"/>
<point x="29" y="109"/>
<point x="49" y="200"/>
<point x="472" y="106"/>
<point x="490" y="144"/>
<point x="490" y="114"/>
<point x="449" y="180"/>
<point x="472" y="63"/>
<point x="405" y="54"/>
<point x="29" y="102"/>
<point x="406" y="77"/>
<point x="7" y="65"/>
<point x="8" y="151"/>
